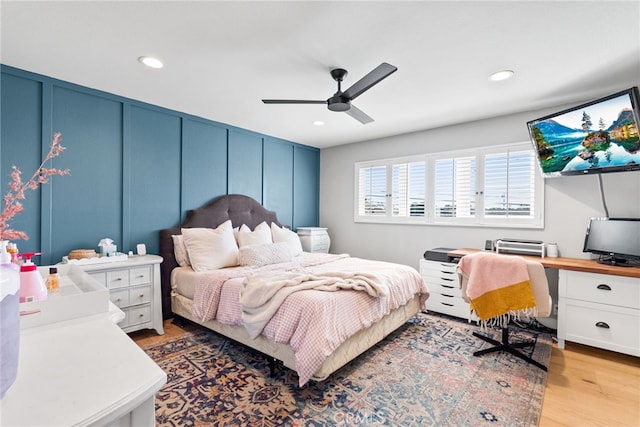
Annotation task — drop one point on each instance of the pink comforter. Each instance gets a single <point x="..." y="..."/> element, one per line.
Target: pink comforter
<point x="313" y="322"/>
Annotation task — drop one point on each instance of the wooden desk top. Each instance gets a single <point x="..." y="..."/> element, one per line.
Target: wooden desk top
<point x="577" y="264"/>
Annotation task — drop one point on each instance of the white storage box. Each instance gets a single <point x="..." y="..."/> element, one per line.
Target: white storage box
<point x="79" y="295"/>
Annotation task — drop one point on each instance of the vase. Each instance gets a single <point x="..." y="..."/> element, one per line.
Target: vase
<point x="9" y="327"/>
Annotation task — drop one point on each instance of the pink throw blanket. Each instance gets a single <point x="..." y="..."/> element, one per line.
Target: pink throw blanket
<point x="497" y="285"/>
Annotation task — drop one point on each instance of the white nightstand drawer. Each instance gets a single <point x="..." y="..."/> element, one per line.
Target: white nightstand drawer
<point x="453" y="306"/>
<point x="609" y="327"/>
<point x="137" y="315"/>
<point x="120" y="297"/>
<point x="140" y="275"/>
<point x="140" y="295"/>
<point x="117" y="279"/>
<point x="602" y="288"/>
<point x="100" y="277"/>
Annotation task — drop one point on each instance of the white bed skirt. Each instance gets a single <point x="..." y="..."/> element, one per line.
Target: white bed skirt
<point x="347" y="351"/>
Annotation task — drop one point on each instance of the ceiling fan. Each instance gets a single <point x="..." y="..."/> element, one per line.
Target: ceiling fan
<point x="341" y="101"/>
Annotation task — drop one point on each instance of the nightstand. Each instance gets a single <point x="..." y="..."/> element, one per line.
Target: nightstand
<point x="134" y="286"/>
<point x="314" y="239"/>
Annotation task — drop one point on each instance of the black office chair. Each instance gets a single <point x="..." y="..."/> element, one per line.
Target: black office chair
<point x="540" y="288"/>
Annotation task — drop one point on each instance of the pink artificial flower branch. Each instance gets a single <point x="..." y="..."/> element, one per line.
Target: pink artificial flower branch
<point x="17" y="188"/>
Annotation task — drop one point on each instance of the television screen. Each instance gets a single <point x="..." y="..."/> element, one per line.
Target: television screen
<point x="597" y="137"/>
<point x="616" y="240"/>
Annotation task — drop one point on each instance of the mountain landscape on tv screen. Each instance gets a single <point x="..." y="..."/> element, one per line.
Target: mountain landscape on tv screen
<point x="565" y="149"/>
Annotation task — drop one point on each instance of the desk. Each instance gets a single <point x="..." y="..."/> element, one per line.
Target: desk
<point x="574" y="264"/>
<point x="84" y="371"/>
<point x="598" y="304"/>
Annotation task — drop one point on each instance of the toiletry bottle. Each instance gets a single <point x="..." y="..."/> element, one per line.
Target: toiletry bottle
<point x="32" y="287"/>
<point x="53" y="282"/>
<point x="12" y="248"/>
<point x="5" y="257"/>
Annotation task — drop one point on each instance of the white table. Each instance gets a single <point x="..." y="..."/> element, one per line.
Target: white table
<point x="84" y="371"/>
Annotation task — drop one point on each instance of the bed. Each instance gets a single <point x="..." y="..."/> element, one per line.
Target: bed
<point x="392" y="293"/>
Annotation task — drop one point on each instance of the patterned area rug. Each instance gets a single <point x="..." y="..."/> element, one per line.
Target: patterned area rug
<point x="424" y="374"/>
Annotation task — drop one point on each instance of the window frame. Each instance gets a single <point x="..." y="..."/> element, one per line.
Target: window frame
<point x="479" y="219"/>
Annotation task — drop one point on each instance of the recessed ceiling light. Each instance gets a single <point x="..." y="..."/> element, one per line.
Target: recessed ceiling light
<point x="318" y="123"/>
<point x="151" y="62"/>
<point x="501" y="75"/>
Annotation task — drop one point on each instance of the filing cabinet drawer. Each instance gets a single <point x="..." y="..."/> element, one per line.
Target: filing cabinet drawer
<point x="610" y="327"/>
<point x="602" y="288"/>
<point x="443" y="287"/>
<point x="437" y="269"/>
<point x="450" y="305"/>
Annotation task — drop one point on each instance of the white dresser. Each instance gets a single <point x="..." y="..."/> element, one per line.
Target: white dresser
<point x="314" y="239"/>
<point x="599" y="310"/>
<point x="134" y="286"/>
<point x="445" y="295"/>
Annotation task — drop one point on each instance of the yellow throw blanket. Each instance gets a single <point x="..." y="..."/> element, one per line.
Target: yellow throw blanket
<point x="497" y="285"/>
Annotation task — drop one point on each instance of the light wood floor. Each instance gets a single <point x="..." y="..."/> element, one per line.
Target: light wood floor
<point x="586" y="386"/>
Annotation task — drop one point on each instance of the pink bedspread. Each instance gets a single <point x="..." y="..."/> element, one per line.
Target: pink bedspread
<point x="313" y="322"/>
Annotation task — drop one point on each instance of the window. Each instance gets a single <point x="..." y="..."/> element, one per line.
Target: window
<point x="391" y="189"/>
<point x="498" y="186"/>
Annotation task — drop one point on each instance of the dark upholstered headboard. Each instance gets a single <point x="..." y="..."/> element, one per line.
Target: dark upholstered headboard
<point x="238" y="208"/>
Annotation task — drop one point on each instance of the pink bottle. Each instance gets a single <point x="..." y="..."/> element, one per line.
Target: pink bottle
<point x="32" y="287"/>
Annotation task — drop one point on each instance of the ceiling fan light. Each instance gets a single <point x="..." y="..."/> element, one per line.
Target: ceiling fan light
<point x="501" y="75"/>
<point x="318" y="123"/>
<point x="151" y="62"/>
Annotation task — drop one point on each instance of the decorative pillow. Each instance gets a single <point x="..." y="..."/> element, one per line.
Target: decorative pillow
<point x="269" y="253"/>
<point x="259" y="236"/>
<point x="180" y="250"/>
<point x="209" y="248"/>
<point x="287" y="236"/>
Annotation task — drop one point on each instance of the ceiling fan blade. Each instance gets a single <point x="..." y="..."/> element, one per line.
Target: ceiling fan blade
<point x="292" y="101"/>
<point x="374" y="77"/>
<point x="359" y="115"/>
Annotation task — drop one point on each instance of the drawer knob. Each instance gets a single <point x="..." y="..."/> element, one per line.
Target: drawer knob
<point x="604" y="287"/>
<point x="141" y="275"/>
<point x="141" y="295"/>
<point x="447" y="279"/>
<point x="141" y="315"/>
<point x="603" y="325"/>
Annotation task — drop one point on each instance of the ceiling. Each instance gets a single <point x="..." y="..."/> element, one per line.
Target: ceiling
<point x="222" y="58"/>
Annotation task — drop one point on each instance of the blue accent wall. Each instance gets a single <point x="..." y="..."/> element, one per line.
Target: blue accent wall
<point x="136" y="168"/>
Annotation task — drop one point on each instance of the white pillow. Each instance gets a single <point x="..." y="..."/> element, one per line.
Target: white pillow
<point x="287" y="236"/>
<point x="180" y="250"/>
<point x="261" y="235"/>
<point x="265" y="254"/>
<point x="209" y="248"/>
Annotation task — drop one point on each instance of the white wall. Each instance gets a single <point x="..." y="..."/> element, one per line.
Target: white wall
<point x="569" y="201"/>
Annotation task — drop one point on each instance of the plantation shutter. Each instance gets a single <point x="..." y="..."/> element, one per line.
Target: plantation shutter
<point x="372" y="191"/>
<point x="455" y="187"/>
<point x="510" y="185"/>
<point x="408" y="184"/>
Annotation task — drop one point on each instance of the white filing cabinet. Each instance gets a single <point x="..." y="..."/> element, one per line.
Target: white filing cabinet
<point x="599" y="310"/>
<point x="314" y="239"/>
<point x="134" y="286"/>
<point x="445" y="295"/>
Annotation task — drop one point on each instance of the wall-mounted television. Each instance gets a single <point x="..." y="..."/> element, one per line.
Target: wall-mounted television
<point x="596" y="137"/>
<point x="615" y="240"/>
